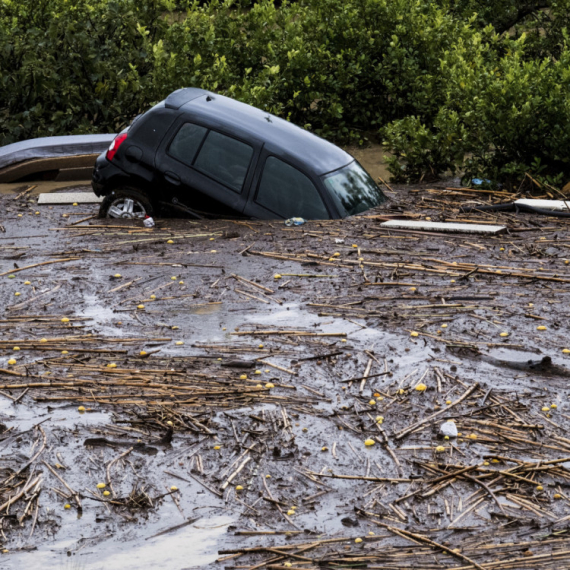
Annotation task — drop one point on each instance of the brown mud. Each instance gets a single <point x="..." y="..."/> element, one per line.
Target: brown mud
<point x="272" y="354"/>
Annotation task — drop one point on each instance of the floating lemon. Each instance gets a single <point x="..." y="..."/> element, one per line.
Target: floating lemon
<point x="153" y="297"/>
<point x="216" y="447"/>
<point x="261" y="346"/>
<point x="369" y="442"/>
<point x="258" y="371"/>
<point x="213" y="251"/>
<point x="75" y="204"/>
<point x="448" y="402"/>
<point x="444" y="326"/>
<point x="540" y="488"/>
<point x="324" y="448"/>
<point x="473" y="436"/>
<point x="117" y="275"/>
<point x="175" y="328"/>
<point x="354" y="245"/>
<point x="358" y="540"/>
<point x="27" y="283"/>
<point x="414" y="334"/>
<point x="101" y="485"/>
<point x="179" y="342"/>
<point x="336" y="254"/>
<point x="180" y="282"/>
<point x="566" y="350"/>
<point x="43" y="339"/>
<point x="64" y="352"/>
<point x="143" y="352"/>
<point x="557" y="496"/>
<point x="140" y="306"/>
<point x="169" y="241"/>
<point x="277" y="276"/>
<point x="541" y="328"/>
<point x="412" y="289"/>
<point x="504" y="334"/>
<point x="174" y="488"/>
<point x="342" y="340"/>
<point x="372" y="402"/>
<point x="379" y="419"/>
<point x="440" y="448"/>
<point x="243" y="377"/>
<point x="290" y="512"/>
<point x="287" y="564"/>
<point x="239" y="488"/>
<point x="17" y="294"/>
<point x="81" y="409"/>
<point x="421" y="387"/>
<point x="546" y="409"/>
<point x="12" y="361"/>
<point x="169" y="423"/>
<point x="212" y="239"/>
<point x="553" y="406"/>
<point x="106" y="493"/>
<point x="65" y="320"/>
<point x="268" y="476"/>
<point x="111" y="365"/>
<point x="16" y="348"/>
<point x="173" y="278"/>
<point x="269" y="385"/>
<point x="67" y="506"/>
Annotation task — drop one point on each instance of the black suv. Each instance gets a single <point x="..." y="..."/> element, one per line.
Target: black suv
<point x="209" y="155"/>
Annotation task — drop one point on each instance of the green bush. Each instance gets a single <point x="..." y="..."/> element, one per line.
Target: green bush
<point x="444" y="90"/>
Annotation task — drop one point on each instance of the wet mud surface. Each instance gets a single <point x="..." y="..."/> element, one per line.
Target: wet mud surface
<point x="221" y="378"/>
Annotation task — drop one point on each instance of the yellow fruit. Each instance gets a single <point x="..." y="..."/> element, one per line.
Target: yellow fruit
<point x="324" y="448"/>
<point x="473" y="436"/>
<point x="111" y="365"/>
<point x="277" y="276"/>
<point x="180" y="282"/>
<point x="16" y="348"/>
<point x="566" y="350"/>
<point x="106" y="493"/>
<point x="75" y="204"/>
<point x="372" y="402"/>
<point x="440" y="448"/>
<point x="287" y="564"/>
<point x="81" y="409"/>
<point x="421" y="387"/>
<point x="212" y="239"/>
<point x="27" y="283"/>
<point x="290" y="512"/>
<point x="64" y="352"/>
<point x="216" y="447"/>
<point x="546" y="409"/>
<point x="43" y="340"/>
<point x="143" y="352"/>
<point x="504" y="334"/>
<point x="448" y="402"/>
<point x="444" y="326"/>
<point x="117" y="275"/>
<point x="179" y="342"/>
<point x="213" y="251"/>
<point x="243" y="377"/>
<point x="259" y="346"/>
<point x="342" y="340"/>
<point x="140" y="306"/>
<point x="169" y="423"/>
<point x="379" y="419"/>
<point x="369" y="442"/>
<point x="169" y="241"/>
<point x="17" y="294"/>
<point x="174" y="488"/>
<point x="540" y="488"/>
<point x="541" y="328"/>
<point x="65" y="320"/>
<point x="258" y="371"/>
<point x="239" y="488"/>
<point x="268" y="476"/>
<point x="12" y="361"/>
<point x="354" y="245"/>
<point x="153" y="297"/>
<point x="557" y="496"/>
<point x="414" y="334"/>
<point x="67" y="506"/>
<point x="358" y="540"/>
<point x="452" y="281"/>
<point x="175" y="328"/>
<point x="101" y="485"/>
<point x="270" y="385"/>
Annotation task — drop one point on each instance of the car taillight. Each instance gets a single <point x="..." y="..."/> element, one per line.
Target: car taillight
<point x="117" y="141"/>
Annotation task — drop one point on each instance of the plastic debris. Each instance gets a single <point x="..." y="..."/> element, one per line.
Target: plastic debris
<point x="338" y="240"/>
<point x="148" y="222"/>
<point x="449" y="429"/>
<point x="295" y="222"/>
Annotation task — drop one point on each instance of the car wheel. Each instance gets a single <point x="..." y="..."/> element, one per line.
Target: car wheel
<point x="127" y="203"/>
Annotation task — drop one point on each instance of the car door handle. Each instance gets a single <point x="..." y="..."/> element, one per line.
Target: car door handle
<point x="172" y="178"/>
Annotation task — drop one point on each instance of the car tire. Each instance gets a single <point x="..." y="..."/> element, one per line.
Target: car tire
<point x="126" y="202"/>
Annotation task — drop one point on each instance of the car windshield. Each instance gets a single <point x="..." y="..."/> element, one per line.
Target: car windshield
<point x="353" y="189"/>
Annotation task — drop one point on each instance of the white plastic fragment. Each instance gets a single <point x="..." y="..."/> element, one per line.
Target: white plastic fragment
<point x="443" y="227"/>
<point x="545" y="204"/>
<point x="338" y="240"/>
<point x="448" y="428"/>
<point x="69" y="198"/>
<point x="148" y="222"/>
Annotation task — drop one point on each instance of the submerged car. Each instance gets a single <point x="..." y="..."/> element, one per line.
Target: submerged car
<point x="209" y="155"/>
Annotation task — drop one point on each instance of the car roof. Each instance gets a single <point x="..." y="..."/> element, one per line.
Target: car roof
<point x="315" y="153"/>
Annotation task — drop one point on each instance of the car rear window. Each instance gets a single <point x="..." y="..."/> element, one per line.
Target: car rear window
<point x="186" y="143"/>
<point x="225" y="159"/>
<point x="289" y="193"/>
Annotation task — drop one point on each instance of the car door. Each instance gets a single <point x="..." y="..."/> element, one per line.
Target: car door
<point x="283" y="190"/>
<point x="206" y="169"/>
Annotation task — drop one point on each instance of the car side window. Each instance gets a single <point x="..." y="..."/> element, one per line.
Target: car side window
<point x="289" y="193"/>
<point x="186" y="143"/>
<point x="225" y="159"/>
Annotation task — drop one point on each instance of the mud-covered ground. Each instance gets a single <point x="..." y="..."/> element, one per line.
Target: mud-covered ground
<point x="231" y="372"/>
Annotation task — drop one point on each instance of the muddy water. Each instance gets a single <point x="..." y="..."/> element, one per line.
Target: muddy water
<point x="207" y="307"/>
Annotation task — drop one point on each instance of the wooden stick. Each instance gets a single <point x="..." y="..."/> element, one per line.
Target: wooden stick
<point x="39" y="264"/>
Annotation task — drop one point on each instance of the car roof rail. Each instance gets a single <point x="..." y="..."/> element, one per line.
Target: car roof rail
<point x="182" y="96"/>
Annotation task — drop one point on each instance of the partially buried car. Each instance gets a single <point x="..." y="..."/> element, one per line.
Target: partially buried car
<point x="209" y="155"/>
